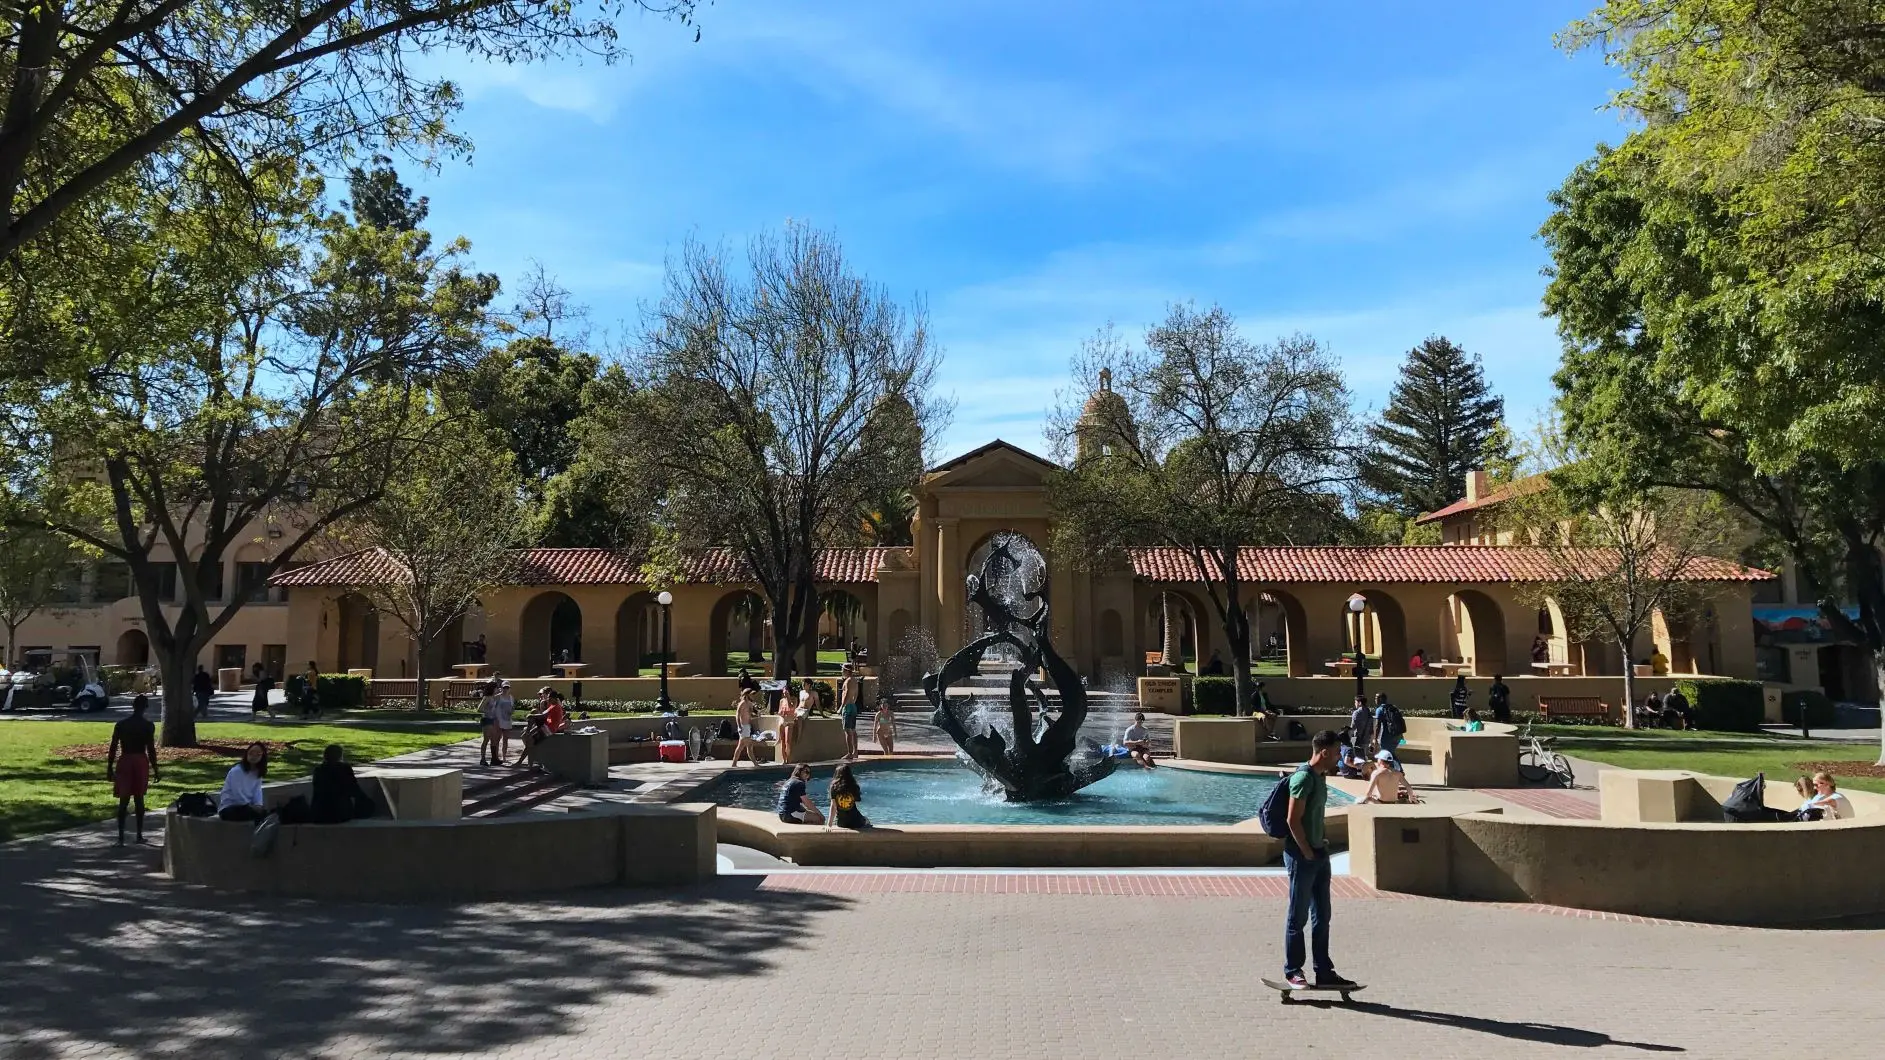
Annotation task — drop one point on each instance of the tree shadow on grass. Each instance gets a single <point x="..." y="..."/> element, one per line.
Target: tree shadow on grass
<point x="104" y="951"/>
<point x="1523" y="1030"/>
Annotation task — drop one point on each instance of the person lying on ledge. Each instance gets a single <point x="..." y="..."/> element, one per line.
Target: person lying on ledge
<point x="1388" y="784"/>
<point x="337" y="796"/>
<point x="795" y="800"/>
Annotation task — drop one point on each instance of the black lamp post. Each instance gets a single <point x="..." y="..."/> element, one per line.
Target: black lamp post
<point x="1356" y="604"/>
<point x="664" y="599"/>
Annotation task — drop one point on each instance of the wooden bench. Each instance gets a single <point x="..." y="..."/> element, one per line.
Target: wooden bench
<point x="1589" y="708"/>
<point x="382" y="690"/>
<point x="460" y="693"/>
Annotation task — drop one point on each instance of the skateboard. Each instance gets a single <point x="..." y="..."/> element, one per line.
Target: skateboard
<point x="1287" y="991"/>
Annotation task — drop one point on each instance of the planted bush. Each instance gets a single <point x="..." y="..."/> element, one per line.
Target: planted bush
<point x="340" y="692"/>
<point x="1725" y="705"/>
<point x="1213" y="695"/>
<point x="1821" y="713"/>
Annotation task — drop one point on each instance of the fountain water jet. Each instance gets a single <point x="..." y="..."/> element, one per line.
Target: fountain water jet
<point x="1034" y="759"/>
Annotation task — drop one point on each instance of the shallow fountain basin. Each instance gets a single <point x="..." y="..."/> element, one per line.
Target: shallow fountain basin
<point x="1184" y="816"/>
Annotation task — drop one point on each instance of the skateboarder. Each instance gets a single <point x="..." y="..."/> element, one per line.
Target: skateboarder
<point x="1306" y="856"/>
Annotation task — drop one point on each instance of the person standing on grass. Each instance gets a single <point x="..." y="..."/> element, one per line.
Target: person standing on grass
<point x="131" y="763"/>
<point x="848" y="695"/>
<point x="1306" y="858"/>
<point x="311" y="704"/>
<point x="1499" y="698"/>
<point x="202" y="685"/>
<point x="264" y="684"/>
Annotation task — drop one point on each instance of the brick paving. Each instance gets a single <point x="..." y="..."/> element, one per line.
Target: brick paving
<point x="1578" y="805"/>
<point x="104" y="958"/>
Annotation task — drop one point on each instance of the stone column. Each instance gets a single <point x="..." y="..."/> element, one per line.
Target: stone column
<point x="949" y="574"/>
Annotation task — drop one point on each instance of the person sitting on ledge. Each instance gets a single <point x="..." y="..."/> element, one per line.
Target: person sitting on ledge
<point x="1471" y="723"/>
<point x="337" y="797"/>
<point x="1418" y="664"/>
<point x="548" y="719"/>
<point x="241" y="797"/>
<point x="1832" y="805"/>
<point x="795" y="801"/>
<point x="1676" y="713"/>
<point x="845" y="796"/>
<point x="1386" y="783"/>
<point x="1139" y="741"/>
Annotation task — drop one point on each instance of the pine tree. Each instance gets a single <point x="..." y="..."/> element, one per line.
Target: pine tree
<point x="1434" y="430"/>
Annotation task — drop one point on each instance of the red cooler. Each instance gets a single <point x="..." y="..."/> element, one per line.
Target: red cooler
<point x="674" y="750"/>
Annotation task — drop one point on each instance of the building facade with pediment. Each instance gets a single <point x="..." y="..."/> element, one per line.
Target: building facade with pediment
<point x="903" y="607"/>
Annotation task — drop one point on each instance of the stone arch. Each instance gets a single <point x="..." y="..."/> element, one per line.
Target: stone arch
<point x="1294" y="628"/>
<point x="719" y="629"/>
<point x="971" y="613"/>
<point x="1384" y="631"/>
<point x="1479" y="623"/>
<point x="134" y="649"/>
<point x="359" y="646"/>
<point x="1112" y="634"/>
<point x="551" y="624"/>
<point x="1191" y="621"/>
<point x="843" y="616"/>
<point x="637" y="632"/>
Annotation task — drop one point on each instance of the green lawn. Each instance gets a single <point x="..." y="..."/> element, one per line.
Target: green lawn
<point x="43" y="792"/>
<point x="1721" y="753"/>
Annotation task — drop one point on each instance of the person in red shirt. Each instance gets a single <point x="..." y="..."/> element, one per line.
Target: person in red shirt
<point x="548" y="719"/>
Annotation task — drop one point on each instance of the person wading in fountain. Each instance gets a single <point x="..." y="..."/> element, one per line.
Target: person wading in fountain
<point x="849" y="691"/>
<point x="131" y="763"/>
<point x="1306" y="857"/>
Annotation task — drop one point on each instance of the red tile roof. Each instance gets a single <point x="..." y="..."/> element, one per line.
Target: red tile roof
<point x="1528" y="484"/>
<point x="594" y="566"/>
<point x="1364" y="564"/>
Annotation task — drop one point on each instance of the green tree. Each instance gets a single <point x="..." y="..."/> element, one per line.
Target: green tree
<point x="1618" y="550"/>
<point x="253" y="370"/>
<point x="1678" y="364"/>
<point x="441" y="532"/>
<point x="152" y="89"/>
<point x="769" y="405"/>
<point x="1215" y="444"/>
<point x="1439" y="419"/>
<point x="34" y="563"/>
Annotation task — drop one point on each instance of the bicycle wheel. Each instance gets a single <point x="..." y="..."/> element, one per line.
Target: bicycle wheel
<point x="1562" y="767"/>
<point x="1530" y="768"/>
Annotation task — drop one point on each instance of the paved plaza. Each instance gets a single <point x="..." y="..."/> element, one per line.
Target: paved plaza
<point x="105" y="958"/>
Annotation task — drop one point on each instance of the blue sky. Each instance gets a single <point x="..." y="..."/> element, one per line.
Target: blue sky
<point x="1369" y="173"/>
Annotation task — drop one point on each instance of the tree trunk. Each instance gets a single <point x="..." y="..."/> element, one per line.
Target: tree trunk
<point x="1237" y="632"/>
<point x="1167" y="648"/>
<point x="1878" y="679"/>
<point x="13" y="628"/>
<point x="1629" y="686"/>
<point x="421" y="700"/>
<point x="177" y="667"/>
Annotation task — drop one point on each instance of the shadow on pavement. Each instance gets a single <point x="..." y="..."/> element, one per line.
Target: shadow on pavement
<point x="104" y="952"/>
<point x="1548" y="1033"/>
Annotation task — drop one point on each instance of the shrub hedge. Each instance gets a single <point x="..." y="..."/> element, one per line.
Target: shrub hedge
<point x="1725" y="705"/>
<point x="1213" y="695"/>
<point x="340" y="691"/>
<point x="1821" y="713"/>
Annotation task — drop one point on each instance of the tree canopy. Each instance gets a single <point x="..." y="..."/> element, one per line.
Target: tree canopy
<point x="1439" y="419"/>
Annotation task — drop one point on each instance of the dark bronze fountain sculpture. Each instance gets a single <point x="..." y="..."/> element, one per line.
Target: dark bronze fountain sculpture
<point x="1030" y="758"/>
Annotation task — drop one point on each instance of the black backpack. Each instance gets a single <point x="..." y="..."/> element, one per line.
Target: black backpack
<point x="1273" y="815"/>
<point x="195" y="804"/>
<point x="1394" y="719"/>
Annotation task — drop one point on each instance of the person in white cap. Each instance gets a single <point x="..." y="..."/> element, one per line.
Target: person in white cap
<point x="1388" y="784"/>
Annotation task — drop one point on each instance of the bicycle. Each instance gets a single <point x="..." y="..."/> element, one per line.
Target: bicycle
<point x="1538" y="758"/>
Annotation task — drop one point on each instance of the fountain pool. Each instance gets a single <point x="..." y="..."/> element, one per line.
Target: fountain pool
<point x="948" y="793"/>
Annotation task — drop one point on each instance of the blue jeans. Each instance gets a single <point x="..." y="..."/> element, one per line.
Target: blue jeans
<point x="1308" y="900"/>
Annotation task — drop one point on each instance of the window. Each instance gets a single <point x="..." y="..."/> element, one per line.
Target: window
<point x="252" y="582"/>
<point x="111" y="582"/>
<point x="232" y="656"/>
<point x="275" y="660"/>
<point x="88" y="651"/>
<point x="211" y="581"/>
<point x="166" y="574"/>
<point x="65" y="586"/>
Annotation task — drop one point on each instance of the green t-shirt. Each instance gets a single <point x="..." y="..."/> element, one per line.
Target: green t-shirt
<point x="1313" y="789"/>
